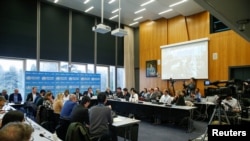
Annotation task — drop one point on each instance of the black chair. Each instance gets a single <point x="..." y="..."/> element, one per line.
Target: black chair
<point x="62" y="127"/>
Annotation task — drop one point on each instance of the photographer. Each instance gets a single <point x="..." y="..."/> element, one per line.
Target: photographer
<point x="189" y="86"/>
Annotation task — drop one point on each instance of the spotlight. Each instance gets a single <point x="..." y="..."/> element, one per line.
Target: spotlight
<point x="242" y="24"/>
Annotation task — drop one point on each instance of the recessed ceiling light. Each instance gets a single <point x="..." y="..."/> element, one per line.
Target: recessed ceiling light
<point x="165" y="11"/>
<point x="148" y="2"/>
<point x="115" y="16"/>
<point x="87" y="10"/>
<point x="177" y="3"/>
<point x="133" y="23"/>
<point x="111" y="1"/>
<point x="138" y="11"/>
<point x="56" y="1"/>
<point x="138" y="18"/>
<point x="86" y="1"/>
<point x="116" y="10"/>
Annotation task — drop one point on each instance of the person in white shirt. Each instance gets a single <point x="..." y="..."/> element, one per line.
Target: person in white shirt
<point x="66" y="95"/>
<point x="166" y="98"/>
<point x="133" y="95"/>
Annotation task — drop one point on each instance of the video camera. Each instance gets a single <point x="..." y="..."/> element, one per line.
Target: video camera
<point x="222" y="88"/>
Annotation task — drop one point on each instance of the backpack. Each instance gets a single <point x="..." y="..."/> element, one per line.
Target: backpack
<point x="77" y="132"/>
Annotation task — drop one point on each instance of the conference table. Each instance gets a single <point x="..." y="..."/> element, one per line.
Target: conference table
<point x="173" y="113"/>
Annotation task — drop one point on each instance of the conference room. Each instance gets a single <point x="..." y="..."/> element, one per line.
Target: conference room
<point x="50" y="38"/>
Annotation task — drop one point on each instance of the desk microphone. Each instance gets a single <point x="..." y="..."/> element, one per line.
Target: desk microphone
<point x="42" y="135"/>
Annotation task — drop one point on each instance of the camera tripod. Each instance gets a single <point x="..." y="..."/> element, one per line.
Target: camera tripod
<point x="217" y="112"/>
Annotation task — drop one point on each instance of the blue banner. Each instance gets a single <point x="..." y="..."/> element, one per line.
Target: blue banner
<point x="58" y="82"/>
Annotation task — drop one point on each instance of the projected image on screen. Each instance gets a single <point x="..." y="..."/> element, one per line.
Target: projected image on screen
<point x="185" y="60"/>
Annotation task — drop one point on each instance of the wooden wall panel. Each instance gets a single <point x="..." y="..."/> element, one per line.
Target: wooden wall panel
<point x="152" y="35"/>
<point x="231" y="48"/>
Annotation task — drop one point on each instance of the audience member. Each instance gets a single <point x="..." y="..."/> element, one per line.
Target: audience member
<point x="32" y="95"/>
<point x="166" y="98"/>
<point x="100" y="119"/>
<point x="119" y="93"/>
<point x="89" y="92"/>
<point x="4" y="94"/>
<point x="57" y="106"/>
<point x="108" y="92"/>
<point x="39" y="98"/>
<point x="12" y="116"/>
<point x="16" y="131"/>
<point x="2" y="104"/>
<point x="15" y="97"/>
<point x="126" y="94"/>
<point x="48" y="101"/>
<point x="68" y="107"/>
<point x="78" y="93"/>
<point x="179" y="98"/>
<point x="143" y="94"/>
<point x="151" y="95"/>
<point x="133" y="96"/>
<point x="80" y="112"/>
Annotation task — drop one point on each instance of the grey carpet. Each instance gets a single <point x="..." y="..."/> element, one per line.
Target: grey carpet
<point x="168" y="131"/>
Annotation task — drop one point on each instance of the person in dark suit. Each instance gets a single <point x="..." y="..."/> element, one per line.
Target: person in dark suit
<point x="126" y="94"/>
<point x="4" y="94"/>
<point x="89" y="92"/>
<point x="32" y="95"/>
<point x="179" y="98"/>
<point x="15" y="97"/>
<point x="78" y="94"/>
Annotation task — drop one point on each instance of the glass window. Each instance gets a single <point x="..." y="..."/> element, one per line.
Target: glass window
<point x="112" y="78"/>
<point x="49" y="66"/>
<point x="121" y="77"/>
<point x="78" y="68"/>
<point x="64" y="67"/>
<point x="12" y="75"/>
<point x="104" y="76"/>
<point x="90" y="68"/>
<point x="31" y="65"/>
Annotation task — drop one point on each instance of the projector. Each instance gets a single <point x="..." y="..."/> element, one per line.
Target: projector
<point x="101" y="28"/>
<point x="119" y="32"/>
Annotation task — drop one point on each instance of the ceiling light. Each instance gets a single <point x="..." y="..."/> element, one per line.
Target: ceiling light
<point x="113" y="17"/>
<point x="87" y="10"/>
<point x="133" y="23"/>
<point x="165" y="11"/>
<point x="111" y="1"/>
<point x="56" y="1"/>
<point x="136" y="12"/>
<point x="86" y="1"/>
<point x="177" y="3"/>
<point x="148" y="2"/>
<point x="116" y="10"/>
<point x="138" y="18"/>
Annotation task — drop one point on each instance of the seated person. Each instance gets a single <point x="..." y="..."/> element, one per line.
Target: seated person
<point x="48" y="101"/>
<point x="89" y="92"/>
<point x="100" y="119"/>
<point x="80" y="112"/>
<point x="133" y="96"/>
<point x="119" y="93"/>
<point x="12" y="116"/>
<point x="15" y="97"/>
<point x="232" y="108"/>
<point x="151" y="96"/>
<point x="16" y="131"/>
<point x="166" y="98"/>
<point x="68" y="107"/>
<point x="179" y="98"/>
<point x="108" y="92"/>
<point x="126" y="94"/>
<point x="2" y="104"/>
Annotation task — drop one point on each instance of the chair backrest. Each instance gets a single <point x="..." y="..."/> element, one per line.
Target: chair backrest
<point x="41" y="114"/>
<point x="77" y="132"/>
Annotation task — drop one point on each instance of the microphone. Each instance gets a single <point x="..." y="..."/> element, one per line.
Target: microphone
<point x="42" y="135"/>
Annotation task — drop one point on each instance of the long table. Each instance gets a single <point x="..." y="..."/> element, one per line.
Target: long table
<point x="172" y="113"/>
<point x="126" y="127"/>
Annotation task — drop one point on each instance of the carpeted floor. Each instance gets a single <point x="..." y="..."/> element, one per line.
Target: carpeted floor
<point x="168" y="131"/>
